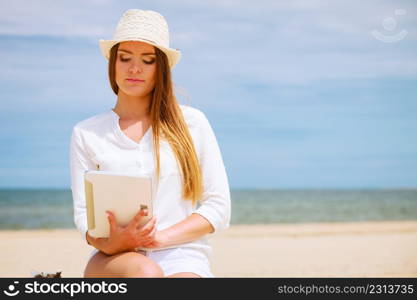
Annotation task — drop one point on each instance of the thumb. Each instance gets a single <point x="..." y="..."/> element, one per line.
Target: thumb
<point x="112" y="220"/>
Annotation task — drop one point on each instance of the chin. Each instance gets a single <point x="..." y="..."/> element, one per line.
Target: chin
<point x="134" y="92"/>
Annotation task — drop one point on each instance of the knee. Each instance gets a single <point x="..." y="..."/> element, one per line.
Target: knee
<point x="92" y="270"/>
<point x="88" y="272"/>
<point x="148" y="269"/>
<point x="128" y="264"/>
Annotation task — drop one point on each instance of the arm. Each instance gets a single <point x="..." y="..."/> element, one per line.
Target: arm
<point x="79" y="162"/>
<point x="215" y="209"/>
<point x="215" y="204"/>
<point x="188" y="230"/>
<point x="121" y="238"/>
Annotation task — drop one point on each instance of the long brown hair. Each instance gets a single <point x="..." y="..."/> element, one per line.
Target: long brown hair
<point x="168" y="122"/>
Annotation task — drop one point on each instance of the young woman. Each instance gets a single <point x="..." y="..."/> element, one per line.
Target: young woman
<point x="148" y="132"/>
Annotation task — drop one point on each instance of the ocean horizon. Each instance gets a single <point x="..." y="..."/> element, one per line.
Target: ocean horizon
<point x="53" y="208"/>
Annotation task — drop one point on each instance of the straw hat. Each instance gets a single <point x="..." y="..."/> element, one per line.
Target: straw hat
<point x="146" y="26"/>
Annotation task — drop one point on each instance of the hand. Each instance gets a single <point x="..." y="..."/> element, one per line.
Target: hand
<point x="159" y="240"/>
<point x="98" y="243"/>
<point x="127" y="238"/>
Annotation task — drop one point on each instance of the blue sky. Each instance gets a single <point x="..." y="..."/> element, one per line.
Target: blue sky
<point x="300" y="94"/>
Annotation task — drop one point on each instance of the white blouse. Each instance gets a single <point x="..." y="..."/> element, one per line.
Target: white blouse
<point x="99" y="143"/>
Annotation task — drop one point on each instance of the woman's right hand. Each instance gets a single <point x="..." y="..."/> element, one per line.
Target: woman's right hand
<point x="126" y="238"/>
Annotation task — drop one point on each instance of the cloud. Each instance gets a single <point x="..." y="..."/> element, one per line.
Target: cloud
<point x="295" y="87"/>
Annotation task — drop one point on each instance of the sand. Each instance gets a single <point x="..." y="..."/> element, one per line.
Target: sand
<point x="360" y="249"/>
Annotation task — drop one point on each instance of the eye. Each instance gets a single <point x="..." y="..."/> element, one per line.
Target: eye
<point x="148" y="62"/>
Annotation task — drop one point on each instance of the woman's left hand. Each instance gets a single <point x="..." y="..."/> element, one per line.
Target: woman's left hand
<point x="158" y="240"/>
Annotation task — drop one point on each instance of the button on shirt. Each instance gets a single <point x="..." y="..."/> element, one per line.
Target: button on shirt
<point x="98" y="143"/>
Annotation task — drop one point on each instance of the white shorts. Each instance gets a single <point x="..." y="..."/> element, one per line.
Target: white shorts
<point x="177" y="260"/>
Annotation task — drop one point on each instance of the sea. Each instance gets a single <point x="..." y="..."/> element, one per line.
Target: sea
<point x="52" y="208"/>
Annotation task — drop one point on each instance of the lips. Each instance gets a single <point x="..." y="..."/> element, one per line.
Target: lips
<point x="134" y="80"/>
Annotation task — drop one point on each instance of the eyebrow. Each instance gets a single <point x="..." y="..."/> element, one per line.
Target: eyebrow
<point x="149" y="53"/>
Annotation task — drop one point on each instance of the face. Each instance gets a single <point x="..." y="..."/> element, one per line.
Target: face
<point x="135" y="68"/>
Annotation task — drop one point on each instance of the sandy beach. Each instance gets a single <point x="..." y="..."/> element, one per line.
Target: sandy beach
<point x="360" y="249"/>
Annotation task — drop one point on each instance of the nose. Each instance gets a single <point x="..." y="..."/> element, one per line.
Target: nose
<point x="134" y="67"/>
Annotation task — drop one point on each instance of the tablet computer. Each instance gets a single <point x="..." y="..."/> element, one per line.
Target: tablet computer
<point x="122" y="194"/>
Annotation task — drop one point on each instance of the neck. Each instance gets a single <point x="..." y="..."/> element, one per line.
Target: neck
<point x="132" y="108"/>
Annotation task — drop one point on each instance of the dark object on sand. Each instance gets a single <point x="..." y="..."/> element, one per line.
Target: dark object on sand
<point x="48" y="275"/>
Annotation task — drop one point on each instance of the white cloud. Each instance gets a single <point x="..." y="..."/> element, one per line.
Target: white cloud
<point x="292" y="42"/>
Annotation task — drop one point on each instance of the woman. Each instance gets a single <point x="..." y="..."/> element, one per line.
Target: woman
<point x="148" y="132"/>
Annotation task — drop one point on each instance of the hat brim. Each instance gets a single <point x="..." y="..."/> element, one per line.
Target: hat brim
<point x="173" y="55"/>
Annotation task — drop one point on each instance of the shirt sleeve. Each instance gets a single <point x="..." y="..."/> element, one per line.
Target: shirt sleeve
<point x="79" y="162"/>
<point x="215" y="204"/>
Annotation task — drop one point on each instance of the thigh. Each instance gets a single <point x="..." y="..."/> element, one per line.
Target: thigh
<point x="182" y="262"/>
<point x="126" y="264"/>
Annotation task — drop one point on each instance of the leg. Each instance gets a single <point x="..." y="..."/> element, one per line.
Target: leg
<point x="184" y="275"/>
<point x="126" y="264"/>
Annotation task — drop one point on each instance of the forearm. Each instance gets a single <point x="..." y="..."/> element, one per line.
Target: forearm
<point x="192" y="228"/>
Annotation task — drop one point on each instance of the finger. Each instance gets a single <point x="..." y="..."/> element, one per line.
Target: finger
<point x="144" y="223"/>
<point x="148" y="229"/>
<point x="149" y="238"/>
<point x="149" y="223"/>
<point x="152" y="233"/>
<point x="112" y="220"/>
<point x="147" y="244"/>
<point x="138" y="218"/>
<point x="148" y="226"/>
